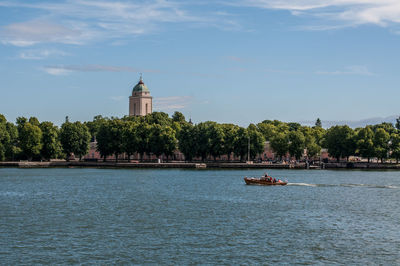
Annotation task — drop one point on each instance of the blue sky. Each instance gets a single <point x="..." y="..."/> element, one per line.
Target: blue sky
<point x="226" y="61"/>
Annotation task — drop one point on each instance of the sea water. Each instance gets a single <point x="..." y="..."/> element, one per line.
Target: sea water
<point x="174" y="216"/>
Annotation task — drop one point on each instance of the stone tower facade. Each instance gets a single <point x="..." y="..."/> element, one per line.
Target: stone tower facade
<point x="140" y="103"/>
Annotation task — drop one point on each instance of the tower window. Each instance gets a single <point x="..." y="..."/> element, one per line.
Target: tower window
<point x="134" y="109"/>
<point x="147" y="105"/>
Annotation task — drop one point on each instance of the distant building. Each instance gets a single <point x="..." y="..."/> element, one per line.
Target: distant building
<point x="140" y="103"/>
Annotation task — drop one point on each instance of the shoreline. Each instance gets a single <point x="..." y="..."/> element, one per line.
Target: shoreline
<point x="208" y="165"/>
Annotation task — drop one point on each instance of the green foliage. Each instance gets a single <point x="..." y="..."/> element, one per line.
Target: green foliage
<point x="318" y="123"/>
<point x="381" y="143"/>
<point x="94" y="125"/>
<point x="30" y="137"/>
<point x="388" y="127"/>
<point x="294" y="126"/>
<point x="34" y="121"/>
<point x="365" y="142"/>
<point x="215" y="136"/>
<point x="187" y="139"/>
<point x="158" y="118"/>
<point x="397" y="125"/>
<point x="159" y="134"/>
<point x="11" y="148"/>
<point x="75" y="138"/>
<point x="230" y="137"/>
<point x="51" y="145"/>
<point x="130" y="138"/>
<point x="241" y="143"/>
<point x="268" y="130"/>
<point x="340" y="142"/>
<point x="296" y="144"/>
<point x="178" y="117"/>
<point x="395" y="146"/>
<point x="202" y="136"/>
<point x="280" y="144"/>
<point x="4" y="137"/>
<point x="143" y="133"/>
<point x="162" y="140"/>
<point x="257" y="141"/>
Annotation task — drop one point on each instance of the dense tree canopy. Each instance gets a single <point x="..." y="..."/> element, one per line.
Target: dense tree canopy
<point x="160" y="134"/>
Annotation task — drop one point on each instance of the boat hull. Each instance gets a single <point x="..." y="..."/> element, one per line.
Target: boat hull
<point x="261" y="182"/>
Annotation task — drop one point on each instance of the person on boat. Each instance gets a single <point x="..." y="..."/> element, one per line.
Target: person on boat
<point x="274" y="181"/>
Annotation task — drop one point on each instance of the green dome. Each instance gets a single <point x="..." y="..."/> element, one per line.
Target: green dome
<point x="140" y="87"/>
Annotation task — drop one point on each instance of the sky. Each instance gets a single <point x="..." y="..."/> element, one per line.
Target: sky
<point x="228" y="61"/>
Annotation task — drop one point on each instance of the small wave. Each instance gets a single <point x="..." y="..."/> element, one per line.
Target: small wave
<point x="12" y="194"/>
<point x="302" y="184"/>
<point x="344" y="185"/>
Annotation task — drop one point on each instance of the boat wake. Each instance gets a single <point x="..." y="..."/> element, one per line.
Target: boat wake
<point x="343" y="185"/>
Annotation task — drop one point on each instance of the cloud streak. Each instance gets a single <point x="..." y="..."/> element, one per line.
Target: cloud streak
<point x="172" y="102"/>
<point x="350" y="70"/>
<point x="67" y="69"/>
<point x="82" y="21"/>
<point x="40" y="54"/>
<point x="340" y="13"/>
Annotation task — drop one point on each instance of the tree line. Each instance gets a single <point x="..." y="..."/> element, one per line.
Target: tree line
<point x="159" y="134"/>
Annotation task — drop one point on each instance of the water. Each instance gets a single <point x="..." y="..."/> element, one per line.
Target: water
<point x="112" y="216"/>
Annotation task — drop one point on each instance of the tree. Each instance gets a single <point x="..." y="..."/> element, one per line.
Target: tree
<point x="4" y="137"/>
<point x="340" y="142"/>
<point x="257" y="141"/>
<point x="143" y="133"/>
<point x="294" y="126"/>
<point x="230" y="136"/>
<point x="94" y="125"/>
<point x="397" y="125"/>
<point x="30" y="140"/>
<point x="178" y="117"/>
<point x="110" y="138"/>
<point x="115" y="128"/>
<point x="241" y="143"/>
<point x="296" y="144"/>
<point x="203" y="140"/>
<point x="280" y="144"/>
<point x="130" y="138"/>
<point x="12" y="149"/>
<point x="365" y="143"/>
<point x="388" y="127"/>
<point x="159" y="118"/>
<point x="51" y="145"/>
<point x="395" y="146"/>
<point x="318" y="123"/>
<point x="268" y="130"/>
<point x="34" y="121"/>
<point x="187" y="140"/>
<point x="381" y="143"/>
<point x="215" y="135"/>
<point x="75" y="138"/>
<point x="162" y="140"/>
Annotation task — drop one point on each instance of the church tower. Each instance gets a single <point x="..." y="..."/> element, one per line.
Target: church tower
<point x="140" y="103"/>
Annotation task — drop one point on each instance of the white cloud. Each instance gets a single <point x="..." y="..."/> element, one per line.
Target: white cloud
<point x="172" y="102"/>
<point x="32" y="32"/>
<point x="40" y="54"/>
<point x="349" y="70"/>
<point x="56" y="71"/>
<point x="346" y="12"/>
<point x="66" y="69"/>
<point x="118" y="98"/>
<point x="83" y="21"/>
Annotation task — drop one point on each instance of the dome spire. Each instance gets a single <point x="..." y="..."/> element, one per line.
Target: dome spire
<point x="141" y="79"/>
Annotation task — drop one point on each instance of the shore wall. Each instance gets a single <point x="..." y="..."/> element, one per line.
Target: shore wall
<point x="342" y="165"/>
